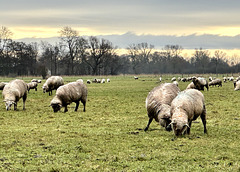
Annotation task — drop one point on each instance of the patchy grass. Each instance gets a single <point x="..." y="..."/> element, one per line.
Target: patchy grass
<point x="109" y="136"/>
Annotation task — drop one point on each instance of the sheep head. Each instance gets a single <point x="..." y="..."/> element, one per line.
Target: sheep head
<point x="179" y="126"/>
<point x="8" y="104"/>
<point x="56" y="107"/>
<point x="45" y="88"/>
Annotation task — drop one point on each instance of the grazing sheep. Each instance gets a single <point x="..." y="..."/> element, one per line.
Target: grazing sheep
<point x="13" y="92"/>
<point x="200" y="83"/>
<point x="185" y="108"/>
<point x="215" y="82"/>
<point x="175" y="82"/>
<point x="160" y="79"/>
<point x="158" y="104"/>
<point x="103" y="81"/>
<point x="52" y="83"/>
<point x="108" y="80"/>
<point x="32" y="85"/>
<point x="224" y="79"/>
<point x="135" y="77"/>
<point x="237" y="86"/>
<point x="39" y="81"/>
<point x="2" y="85"/>
<point x="173" y="79"/>
<point x="66" y="94"/>
<point x="34" y="80"/>
<point x="80" y="80"/>
<point x="88" y="81"/>
<point x="191" y="86"/>
<point x="184" y="79"/>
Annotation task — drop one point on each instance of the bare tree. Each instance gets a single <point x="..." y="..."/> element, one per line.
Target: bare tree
<point x="218" y="57"/>
<point x="69" y="38"/>
<point x="99" y="49"/>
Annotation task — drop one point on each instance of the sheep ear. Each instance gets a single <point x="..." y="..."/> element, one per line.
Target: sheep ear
<point x="187" y="125"/>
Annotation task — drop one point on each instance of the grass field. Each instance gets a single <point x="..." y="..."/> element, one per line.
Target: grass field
<point x="109" y="136"/>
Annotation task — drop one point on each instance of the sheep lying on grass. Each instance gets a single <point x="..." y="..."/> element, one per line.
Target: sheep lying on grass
<point x="158" y="104"/>
<point x="185" y="108"/>
<point x="66" y="94"/>
<point x="13" y="92"/>
<point x="52" y="83"/>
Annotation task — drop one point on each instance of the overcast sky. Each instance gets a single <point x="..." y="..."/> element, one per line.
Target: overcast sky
<point x="44" y="18"/>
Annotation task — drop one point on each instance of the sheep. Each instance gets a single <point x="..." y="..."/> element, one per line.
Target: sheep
<point x="158" y="104"/>
<point x="160" y="79"/>
<point x="175" y="82"/>
<point x="103" y="81"/>
<point x="52" y="83"/>
<point x="66" y="94"/>
<point x="135" y="77"/>
<point x="13" y="92"/>
<point x="237" y="86"/>
<point x="39" y="81"/>
<point x="88" y="81"/>
<point x="108" y="80"/>
<point x="215" y="82"/>
<point x="185" y="108"/>
<point x="32" y="85"/>
<point x="224" y="79"/>
<point x="173" y="79"/>
<point x="191" y="86"/>
<point x="2" y="85"/>
<point x="34" y="80"/>
<point x="200" y="83"/>
<point x="80" y="80"/>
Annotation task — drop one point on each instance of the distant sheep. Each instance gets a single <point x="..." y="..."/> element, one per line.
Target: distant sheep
<point x="66" y="94"/>
<point x="175" y="82"/>
<point x="237" y="86"/>
<point x="108" y="80"/>
<point x="191" y="86"/>
<point x="80" y="80"/>
<point x="2" y="85"/>
<point x="52" y="83"/>
<point x="135" y="77"/>
<point x="88" y="81"/>
<point x="215" y="82"/>
<point x="173" y="79"/>
<point x="200" y="83"/>
<point x="13" y="92"/>
<point x="103" y="81"/>
<point x="158" y="104"/>
<point x="160" y="79"/>
<point x="32" y="85"/>
<point x="185" y="108"/>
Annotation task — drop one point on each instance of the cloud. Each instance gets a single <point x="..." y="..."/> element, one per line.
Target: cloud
<point x="192" y="41"/>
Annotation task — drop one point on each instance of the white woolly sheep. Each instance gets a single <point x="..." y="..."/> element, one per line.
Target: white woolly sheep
<point x="52" y="83"/>
<point x="103" y="81"/>
<point x="2" y="85"/>
<point x="108" y="80"/>
<point x="32" y="85"/>
<point x="185" y="108"/>
<point x="200" y="83"/>
<point x="135" y="77"/>
<point x="13" y="92"/>
<point x="237" y="86"/>
<point x="66" y="94"/>
<point x="80" y="80"/>
<point x="191" y="86"/>
<point x="175" y="82"/>
<point x="158" y="104"/>
<point x="173" y="79"/>
<point x="215" y="82"/>
<point x="160" y="79"/>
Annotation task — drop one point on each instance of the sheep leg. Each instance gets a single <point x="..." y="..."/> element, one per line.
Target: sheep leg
<point x="149" y="122"/>
<point x="84" y="105"/>
<point x="15" y="106"/>
<point x="203" y="117"/>
<point x="65" y="110"/>
<point x="76" y="108"/>
<point x="188" y="129"/>
<point x="24" y="100"/>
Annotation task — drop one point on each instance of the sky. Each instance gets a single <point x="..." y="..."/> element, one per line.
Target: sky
<point x="171" y="21"/>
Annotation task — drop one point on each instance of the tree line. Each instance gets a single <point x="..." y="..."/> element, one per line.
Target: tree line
<point x="77" y="55"/>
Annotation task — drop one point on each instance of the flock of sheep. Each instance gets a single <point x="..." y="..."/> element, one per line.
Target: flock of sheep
<point x="167" y="104"/>
<point x="174" y="109"/>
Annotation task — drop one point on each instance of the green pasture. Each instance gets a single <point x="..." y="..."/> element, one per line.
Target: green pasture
<point x="109" y="136"/>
